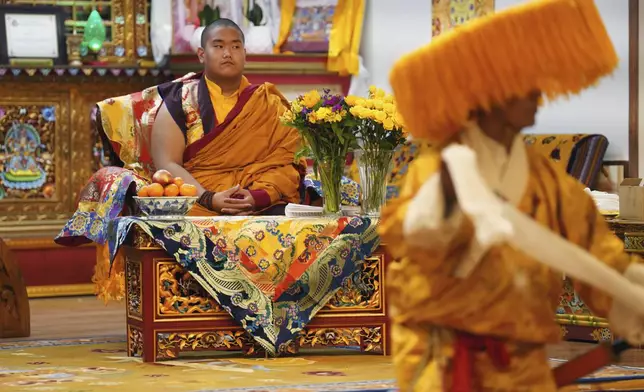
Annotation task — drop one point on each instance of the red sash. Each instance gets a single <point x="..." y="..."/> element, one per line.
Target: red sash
<point x="466" y="346"/>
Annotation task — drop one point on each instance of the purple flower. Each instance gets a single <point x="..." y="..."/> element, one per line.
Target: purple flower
<point x="2" y="112"/>
<point x="333" y="100"/>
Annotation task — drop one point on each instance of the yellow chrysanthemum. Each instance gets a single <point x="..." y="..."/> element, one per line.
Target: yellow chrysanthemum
<point x="287" y="116"/>
<point x="380" y="116"/>
<point x="388" y="124"/>
<point x="377" y="104"/>
<point x="389" y="108"/>
<point x="322" y="113"/>
<point x="311" y="98"/>
<point x="351" y="100"/>
<point x="296" y="106"/>
<point x="312" y="117"/>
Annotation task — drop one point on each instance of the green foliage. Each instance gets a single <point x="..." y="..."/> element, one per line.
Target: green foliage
<point x="208" y="15"/>
<point x="255" y="15"/>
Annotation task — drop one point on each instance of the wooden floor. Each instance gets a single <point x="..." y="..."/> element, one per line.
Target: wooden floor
<point x="77" y="317"/>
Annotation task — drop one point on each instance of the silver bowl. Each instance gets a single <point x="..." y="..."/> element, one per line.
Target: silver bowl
<point x="165" y="206"/>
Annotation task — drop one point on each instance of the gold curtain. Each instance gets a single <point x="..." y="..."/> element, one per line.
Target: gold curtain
<point x="344" y="40"/>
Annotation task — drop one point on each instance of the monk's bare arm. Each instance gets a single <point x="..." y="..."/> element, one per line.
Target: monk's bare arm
<point x="168" y="145"/>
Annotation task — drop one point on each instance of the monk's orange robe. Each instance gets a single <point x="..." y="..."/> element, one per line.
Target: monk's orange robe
<point x="236" y="140"/>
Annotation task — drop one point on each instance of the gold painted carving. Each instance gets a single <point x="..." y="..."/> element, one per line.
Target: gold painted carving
<point x="141" y="239"/>
<point x="180" y="294"/>
<point x="169" y="345"/>
<point x="362" y="291"/>
<point x="369" y="339"/>
<point x="134" y="342"/>
<point x="134" y="289"/>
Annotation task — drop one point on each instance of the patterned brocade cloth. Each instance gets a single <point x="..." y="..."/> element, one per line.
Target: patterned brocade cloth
<point x="272" y="274"/>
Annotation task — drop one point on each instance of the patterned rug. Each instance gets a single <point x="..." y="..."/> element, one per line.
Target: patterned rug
<point x="101" y="364"/>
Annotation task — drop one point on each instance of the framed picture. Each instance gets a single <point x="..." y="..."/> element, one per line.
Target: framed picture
<point x="32" y="34"/>
<point x="311" y="26"/>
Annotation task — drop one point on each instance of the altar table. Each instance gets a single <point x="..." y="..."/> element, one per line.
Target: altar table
<point x="186" y="278"/>
<point x="576" y="320"/>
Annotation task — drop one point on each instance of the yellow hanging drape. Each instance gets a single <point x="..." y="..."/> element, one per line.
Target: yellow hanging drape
<point x="344" y="40"/>
<point x="286" y="19"/>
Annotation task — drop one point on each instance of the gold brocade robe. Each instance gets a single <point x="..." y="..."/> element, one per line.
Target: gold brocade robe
<point x="509" y="295"/>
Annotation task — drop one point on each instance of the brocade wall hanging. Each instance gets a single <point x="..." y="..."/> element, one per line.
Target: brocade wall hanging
<point x="446" y="14"/>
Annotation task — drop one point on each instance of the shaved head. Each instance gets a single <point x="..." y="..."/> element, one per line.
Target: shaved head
<point x="220" y="23"/>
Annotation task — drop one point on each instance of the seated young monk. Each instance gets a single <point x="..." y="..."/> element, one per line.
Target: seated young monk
<point x="467" y="317"/>
<point x="214" y="130"/>
<point x="223" y="135"/>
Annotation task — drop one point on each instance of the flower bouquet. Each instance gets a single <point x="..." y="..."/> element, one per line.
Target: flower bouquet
<point x="328" y="134"/>
<point x="379" y="132"/>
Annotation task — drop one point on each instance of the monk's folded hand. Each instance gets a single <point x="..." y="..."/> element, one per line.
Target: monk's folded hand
<point x="227" y="203"/>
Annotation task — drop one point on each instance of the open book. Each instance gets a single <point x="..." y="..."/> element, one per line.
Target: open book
<point x="303" y="211"/>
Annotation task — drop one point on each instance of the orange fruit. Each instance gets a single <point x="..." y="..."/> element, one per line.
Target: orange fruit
<point x="155" y="190"/>
<point x="178" y="181"/>
<point x="171" y="190"/>
<point x="143" y="192"/>
<point x="188" y="190"/>
<point x="162" y="177"/>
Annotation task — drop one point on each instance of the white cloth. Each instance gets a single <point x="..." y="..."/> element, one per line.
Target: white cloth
<point x="507" y="173"/>
<point x="360" y="83"/>
<point x="605" y="202"/>
<point x="623" y="321"/>
<point x="161" y="29"/>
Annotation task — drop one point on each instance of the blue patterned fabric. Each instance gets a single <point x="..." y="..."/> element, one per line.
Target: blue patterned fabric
<point x="102" y="200"/>
<point x="259" y="269"/>
<point x="349" y="189"/>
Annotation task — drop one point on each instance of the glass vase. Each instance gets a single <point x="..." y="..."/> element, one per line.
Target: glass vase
<point x="330" y="175"/>
<point x="374" y="167"/>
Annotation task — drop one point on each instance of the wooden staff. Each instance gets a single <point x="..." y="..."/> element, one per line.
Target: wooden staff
<point x="603" y="355"/>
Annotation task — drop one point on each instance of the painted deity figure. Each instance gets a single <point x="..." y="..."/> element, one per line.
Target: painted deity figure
<point x="21" y="168"/>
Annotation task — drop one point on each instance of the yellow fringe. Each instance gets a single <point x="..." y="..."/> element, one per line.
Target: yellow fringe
<point x="557" y="46"/>
<point x="108" y="287"/>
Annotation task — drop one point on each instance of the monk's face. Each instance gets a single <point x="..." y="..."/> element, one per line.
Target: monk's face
<point x="224" y="54"/>
<point x="521" y="113"/>
<point x="503" y="122"/>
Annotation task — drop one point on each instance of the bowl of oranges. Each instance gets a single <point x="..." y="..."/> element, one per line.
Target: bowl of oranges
<point x="166" y="196"/>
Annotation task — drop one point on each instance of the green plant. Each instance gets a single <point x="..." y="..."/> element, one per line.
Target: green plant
<point x="255" y="14"/>
<point x="208" y="15"/>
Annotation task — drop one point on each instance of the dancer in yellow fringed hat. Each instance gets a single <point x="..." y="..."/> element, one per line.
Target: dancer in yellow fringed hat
<point x="484" y="229"/>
